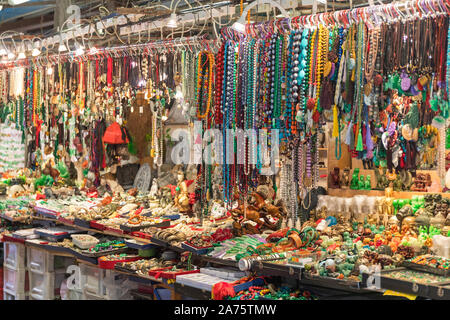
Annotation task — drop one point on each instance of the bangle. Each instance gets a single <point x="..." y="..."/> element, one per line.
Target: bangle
<point x="132" y="219"/>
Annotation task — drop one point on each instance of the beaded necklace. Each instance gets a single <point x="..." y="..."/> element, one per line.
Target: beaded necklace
<point x="204" y="83"/>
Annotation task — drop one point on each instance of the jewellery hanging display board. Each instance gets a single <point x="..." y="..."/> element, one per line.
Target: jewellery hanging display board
<point x="313" y="148"/>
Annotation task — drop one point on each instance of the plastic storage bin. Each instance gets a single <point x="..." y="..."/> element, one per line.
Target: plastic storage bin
<point x="39" y="261"/>
<point x="75" y="295"/>
<point x="93" y="280"/>
<point x="14" y="280"/>
<point x="42" y="286"/>
<point x="14" y="255"/>
<point x="90" y="296"/>
<point x="14" y="296"/>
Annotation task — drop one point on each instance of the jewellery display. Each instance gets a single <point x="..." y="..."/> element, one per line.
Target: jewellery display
<point x="311" y="147"/>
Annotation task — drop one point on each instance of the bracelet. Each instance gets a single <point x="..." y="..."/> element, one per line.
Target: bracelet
<point x="131" y="220"/>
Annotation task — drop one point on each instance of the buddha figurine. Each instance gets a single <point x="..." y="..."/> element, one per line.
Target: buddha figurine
<point x="334" y="182"/>
<point x="367" y="183"/>
<point x="361" y="182"/>
<point x="345" y="178"/>
<point x="354" y="183"/>
<point x="181" y="194"/>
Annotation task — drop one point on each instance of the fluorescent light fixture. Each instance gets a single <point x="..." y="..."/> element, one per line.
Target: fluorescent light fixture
<point x="35" y="52"/>
<point x="16" y="2"/>
<point x="62" y="47"/>
<point x="172" y="20"/>
<point x="79" y="51"/>
<point x="240" y="24"/>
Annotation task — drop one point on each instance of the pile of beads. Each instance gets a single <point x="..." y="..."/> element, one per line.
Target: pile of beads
<point x="283" y="293"/>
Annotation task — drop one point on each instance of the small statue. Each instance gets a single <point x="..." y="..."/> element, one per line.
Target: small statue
<point x="361" y="182"/>
<point x="154" y="189"/>
<point x="354" y="183"/>
<point x="334" y="179"/>
<point x="345" y="178"/>
<point x="181" y="194"/>
<point x="398" y="184"/>
<point x="368" y="184"/>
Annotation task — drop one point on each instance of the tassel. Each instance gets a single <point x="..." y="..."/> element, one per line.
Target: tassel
<point x="359" y="144"/>
<point x="221" y="290"/>
<point x="369" y="142"/>
<point x="335" y="122"/>
<point x="348" y="136"/>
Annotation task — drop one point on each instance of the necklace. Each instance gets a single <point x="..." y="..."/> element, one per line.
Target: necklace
<point x="204" y="83"/>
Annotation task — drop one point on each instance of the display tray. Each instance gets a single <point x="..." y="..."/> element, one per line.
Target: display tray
<point x="65" y="220"/>
<point x="424" y="268"/>
<point x="166" y="274"/>
<point x="123" y="269"/>
<point x="114" y="230"/>
<point x="247" y="285"/>
<point x="54" y="236"/>
<point x="127" y="228"/>
<point x="231" y="263"/>
<point x="172" y="217"/>
<point x="92" y="260"/>
<point x="82" y="223"/>
<point x="109" y="264"/>
<point x="95" y="225"/>
<point x="6" y="217"/>
<point x="332" y="282"/>
<point x="194" y="249"/>
<point x="274" y="269"/>
<point x="102" y="253"/>
<point x="134" y="244"/>
<point x="160" y="242"/>
<point x="402" y="285"/>
<point x="7" y="238"/>
<point x="46" y="212"/>
<point x="440" y="292"/>
<point x="142" y="235"/>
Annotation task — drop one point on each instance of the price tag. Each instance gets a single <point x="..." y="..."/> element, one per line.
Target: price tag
<point x="132" y="109"/>
<point x="141" y="109"/>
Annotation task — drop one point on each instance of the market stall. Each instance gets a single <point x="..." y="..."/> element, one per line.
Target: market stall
<point x="300" y="158"/>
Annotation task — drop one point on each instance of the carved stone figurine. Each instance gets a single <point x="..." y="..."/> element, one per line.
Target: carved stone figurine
<point x="154" y="189"/>
<point x="334" y="179"/>
<point x="345" y="178"/>
<point x="181" y="194"/>
<point x="354" y="182"/>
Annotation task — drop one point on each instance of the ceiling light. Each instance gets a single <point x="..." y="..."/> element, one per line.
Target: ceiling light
<point x="79" y="51"/>
<point x="35" y="52"/>
<point x="240" y="24"/>
<point x="16" y="2"/>
<point x="172" y="20"/>
<point x="62" y="47"/>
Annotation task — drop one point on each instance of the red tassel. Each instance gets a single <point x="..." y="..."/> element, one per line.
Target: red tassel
<point x="221" y="290"/>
